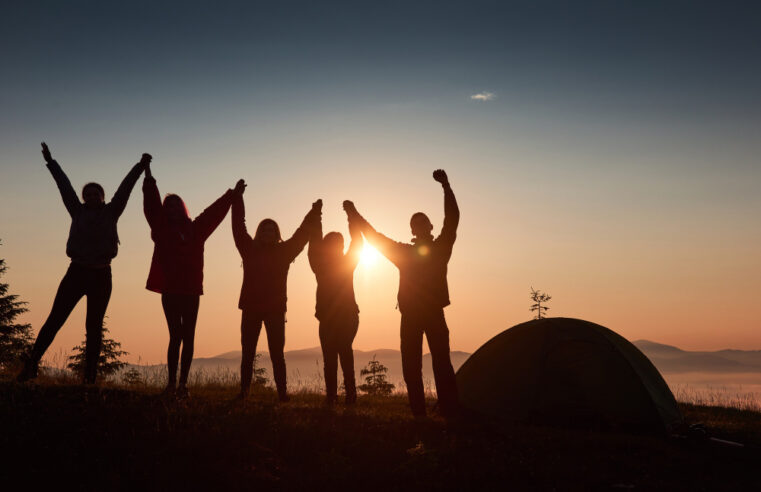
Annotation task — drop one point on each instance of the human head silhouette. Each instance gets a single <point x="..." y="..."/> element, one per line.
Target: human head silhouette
<point x="333" y="243"/>
<point x="93" y="194"/>
<point x="175" y="208"/>
<point x="267" y="232"/>
<point x="420" y="225"/>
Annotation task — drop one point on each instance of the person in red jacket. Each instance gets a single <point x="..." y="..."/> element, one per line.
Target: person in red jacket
<point x="177" y="267"/>
<point x="266" y="260"/>
<point x="423" y="294"/>
<point x="336" y="307"/>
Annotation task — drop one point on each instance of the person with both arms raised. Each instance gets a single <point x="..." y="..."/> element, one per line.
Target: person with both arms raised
<point x="263" y="297"/>
<point x="93" y="242"/>
<point x="177" y="268"/>
<point x="336" y="307"/>
<point x="423" y="294"/>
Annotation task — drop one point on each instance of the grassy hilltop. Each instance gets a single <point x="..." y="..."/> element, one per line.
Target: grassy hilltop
<point x="118" y="438"/>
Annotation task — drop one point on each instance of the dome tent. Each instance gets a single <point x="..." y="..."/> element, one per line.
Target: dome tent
<point x="570" y="372"/>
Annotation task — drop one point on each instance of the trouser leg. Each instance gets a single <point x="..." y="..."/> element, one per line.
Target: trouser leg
<point x="250" y="327"/>
<point x="437" y="333"/>
<point x="70" y="291"/>
<point x="346" y="354"/>
<point x="275" y="325"/>
<point x="412" y="362"/>
<point x="330" y="358"/>
<point x="174" y="322"/>
<point x="98" y="295"/>
<point x="189" y="310"/>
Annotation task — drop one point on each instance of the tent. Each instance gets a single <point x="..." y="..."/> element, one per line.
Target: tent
<point x="567" y="372"/>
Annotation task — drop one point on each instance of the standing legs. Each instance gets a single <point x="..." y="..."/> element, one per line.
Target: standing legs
<point x="181" y="313"/>
<point x="433" y="324"/>
<point x="250" y="327"/>
<point x="275" y="325"/>
<point x="79" y="281"/>
<point x="336" y="337"/>
<point x="437" y="333"/>
<point x="98" y="294"/>
<point x="70" y="291"/>
<point x="329" y="359"/>
<point x="189" y="311"/>
<point x="412" y="362"/>
<point x="346" y="354"/>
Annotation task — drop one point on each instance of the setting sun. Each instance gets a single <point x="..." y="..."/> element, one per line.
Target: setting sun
<point x="369" y="255"/>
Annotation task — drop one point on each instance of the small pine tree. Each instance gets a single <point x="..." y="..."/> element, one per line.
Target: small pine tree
<point x="109" y="361"/>
<point x="375" y="379"/>
<point x="133" y="377"/>
<point x="260" y="373"/>
<point x="15" y="339"/>
<point x="539" y="297"/>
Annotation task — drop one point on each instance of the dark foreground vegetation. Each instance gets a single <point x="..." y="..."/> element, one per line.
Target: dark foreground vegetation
<point x="117" y="439"/>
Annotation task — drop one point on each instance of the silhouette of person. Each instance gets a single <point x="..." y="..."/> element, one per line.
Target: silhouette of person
<point x="266" y="260"/>
<point x="336" y="307"/>
<point x="423" y="294"/>
<point x="93" y="242"/>
<point x="177" y="267"/>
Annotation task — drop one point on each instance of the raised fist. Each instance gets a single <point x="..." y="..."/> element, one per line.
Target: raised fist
<point x="240" y="187"/>
<point x="46" y="152"/>
<point x="441" y="176"/>
<point x="349" y="206"/>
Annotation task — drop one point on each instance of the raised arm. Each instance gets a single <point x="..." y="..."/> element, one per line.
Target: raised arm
<point x="387" y="247"/>
<point x="210" y="218"/>
<point x="69" y="196"/>
<point x="314" y="253"/>
<point x="119" y="201"/>
<point x="151" y="199"/>
<point x="240" y="233"/>
<point x="355" y="246"/>
<point x="296" y="243"/>
<point x="451" y="211"/>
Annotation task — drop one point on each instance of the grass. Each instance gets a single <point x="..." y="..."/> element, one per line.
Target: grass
<point x="118" y="437"/>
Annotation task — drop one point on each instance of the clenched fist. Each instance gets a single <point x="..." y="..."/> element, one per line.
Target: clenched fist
<point x="441" y="176"/>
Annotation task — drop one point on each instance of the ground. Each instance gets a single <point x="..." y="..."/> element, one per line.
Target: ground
<point x="114" y="438"/>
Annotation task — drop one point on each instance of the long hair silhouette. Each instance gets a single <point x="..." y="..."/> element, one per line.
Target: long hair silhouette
<point x="262" y="225"/>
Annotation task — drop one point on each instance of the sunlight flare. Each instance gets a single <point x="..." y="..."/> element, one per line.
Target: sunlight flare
<point x="369" y="256"/>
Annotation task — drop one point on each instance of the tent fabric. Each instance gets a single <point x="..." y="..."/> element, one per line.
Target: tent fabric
<point x="569" y="372"/>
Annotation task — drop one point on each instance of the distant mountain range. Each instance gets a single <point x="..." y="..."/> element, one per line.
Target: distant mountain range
<point x="672" y="360"/>
<point x="305" y="366"/>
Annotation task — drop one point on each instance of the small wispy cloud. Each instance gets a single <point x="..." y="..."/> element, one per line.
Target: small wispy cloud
<point x="483" y="96"/>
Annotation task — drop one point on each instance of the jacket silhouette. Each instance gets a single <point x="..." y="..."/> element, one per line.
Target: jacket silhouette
<point x="336" y="307"/>
<point x="423" y="293"/>
<point x="263" y="298"/>
<point x="93" y="239"/>
<point x="93" y="242"/>
<point x="177" y="262"/>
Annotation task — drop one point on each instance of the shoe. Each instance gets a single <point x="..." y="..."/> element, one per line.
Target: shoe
<point x="351" y="399"/>
<point x="169" y="392"/>
<point x="284" y="398"/>
<point x="29" y="371"/>
<point x="183" y="393"/>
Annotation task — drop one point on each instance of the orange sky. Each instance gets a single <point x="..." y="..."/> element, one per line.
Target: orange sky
<point x="645" y="257"/>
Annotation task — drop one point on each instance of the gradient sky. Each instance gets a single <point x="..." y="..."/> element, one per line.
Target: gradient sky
<point x="616" y="167"/>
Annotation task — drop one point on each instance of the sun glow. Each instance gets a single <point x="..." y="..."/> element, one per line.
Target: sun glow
<point x="369" y="255"/>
